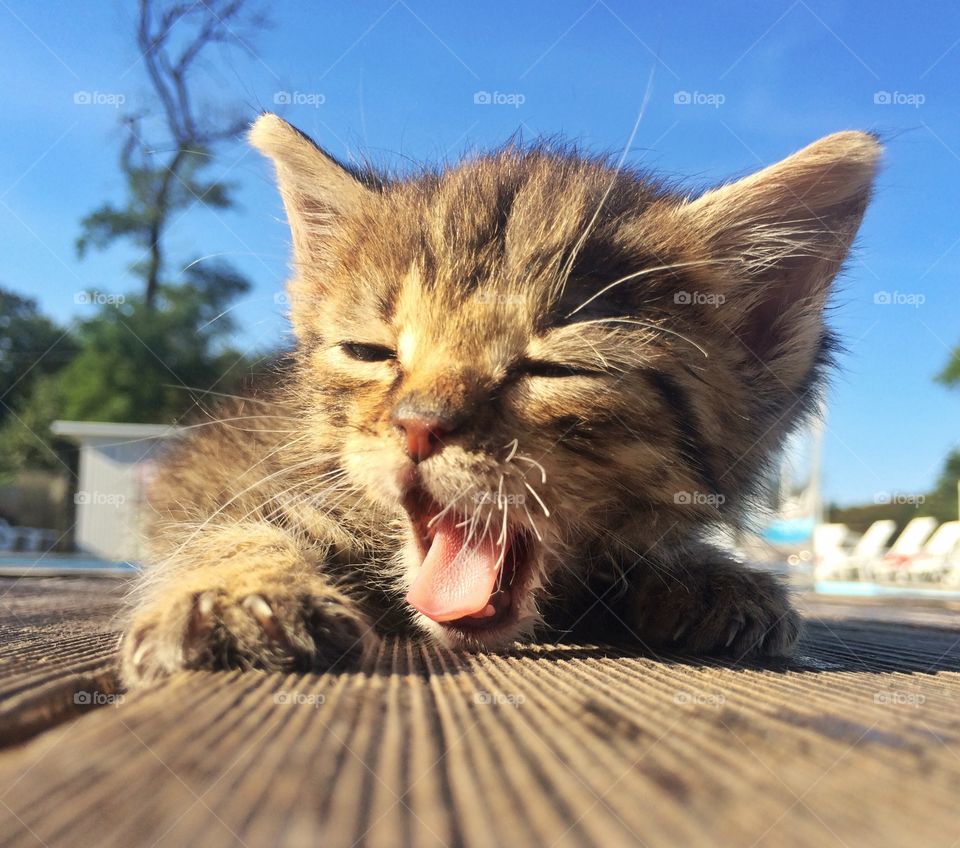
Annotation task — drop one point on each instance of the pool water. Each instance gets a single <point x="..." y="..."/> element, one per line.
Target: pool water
<point x="28" y="561"/>
<point x="863" y="589"/>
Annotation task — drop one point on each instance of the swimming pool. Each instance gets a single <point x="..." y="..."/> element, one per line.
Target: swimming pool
<point x="863" y="589"/>
<point x="61" y="562"/>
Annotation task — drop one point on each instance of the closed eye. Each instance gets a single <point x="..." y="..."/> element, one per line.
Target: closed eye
<point x="542" y="368"/>
<point x="368" y="352"/>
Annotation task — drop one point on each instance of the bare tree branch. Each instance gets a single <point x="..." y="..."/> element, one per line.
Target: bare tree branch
<point x="172" y="38"/>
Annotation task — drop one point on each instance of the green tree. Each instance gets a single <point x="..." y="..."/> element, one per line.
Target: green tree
<point x="944" y="495"/>
<point x="25" y="438"/>
<point x="130" y="363"/>
<point x="950" y="376"/>
<point x="942" y="500"/>
<point x="31" y="345"/>
<point x="146" y="363"/>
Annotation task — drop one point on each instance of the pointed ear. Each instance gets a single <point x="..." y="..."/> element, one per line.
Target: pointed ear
<point x="317" y="190"/>
<point x="780" y="236"/>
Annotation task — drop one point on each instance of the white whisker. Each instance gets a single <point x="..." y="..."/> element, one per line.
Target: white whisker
<point x="634" y="276"/>
<point x="649" y="326"/>
<point x="448" y="507"/>
<point x="568" y="268"/>
<point x="532" y="523"/>
<point x="543" y="471"/>
<point x="228" y="253"/>
<point x="543" y="506"/>
<point x="501" y="540"/>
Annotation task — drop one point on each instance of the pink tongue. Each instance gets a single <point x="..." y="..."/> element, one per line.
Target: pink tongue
<point x="456" y="577"/>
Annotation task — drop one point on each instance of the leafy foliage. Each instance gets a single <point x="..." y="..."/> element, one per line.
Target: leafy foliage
<point x="142" y="364"/>
<point x="25" y="437"/>
<point x="942" y="500"/>
<point x="950" y="376"/>
<point x="31" y="345"/>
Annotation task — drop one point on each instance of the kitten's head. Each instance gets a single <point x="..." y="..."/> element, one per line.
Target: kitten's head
<point x="536" y="359"/>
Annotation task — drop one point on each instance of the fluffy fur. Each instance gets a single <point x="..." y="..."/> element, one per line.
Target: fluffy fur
<point x="618" y="363"/>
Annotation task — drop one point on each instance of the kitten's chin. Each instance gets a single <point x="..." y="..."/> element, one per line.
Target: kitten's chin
<point x="492" y="638"/>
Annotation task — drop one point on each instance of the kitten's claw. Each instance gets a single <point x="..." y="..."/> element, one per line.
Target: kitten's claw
<point x="263" y="613"/>
<point x="140" y="653"/>
<point x="258" y="607"/>
<point x="205" y="604"/>
<point x="734" y="629"/>
<point x="201" y="621"/>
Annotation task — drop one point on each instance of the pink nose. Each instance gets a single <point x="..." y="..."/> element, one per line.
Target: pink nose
<point x="423" y="435"/>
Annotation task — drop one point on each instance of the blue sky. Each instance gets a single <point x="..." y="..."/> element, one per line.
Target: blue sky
<point x="398" y="79"/>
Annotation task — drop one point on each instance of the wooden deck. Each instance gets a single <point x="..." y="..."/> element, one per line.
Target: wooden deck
<point x="855" y="743"/>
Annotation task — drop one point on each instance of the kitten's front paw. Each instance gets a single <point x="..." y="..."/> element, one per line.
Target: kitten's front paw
<point x="732" y="610"/>
<point x="279" y="627"/>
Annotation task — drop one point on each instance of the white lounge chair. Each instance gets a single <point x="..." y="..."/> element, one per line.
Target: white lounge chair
<point x="837" y="564"/>
<point x="16" y="538"/>
<point x="908" y="544"/>
<point x="829" y="555"/>
<point x="871" y="545"/>
<point x="934" y="561"/>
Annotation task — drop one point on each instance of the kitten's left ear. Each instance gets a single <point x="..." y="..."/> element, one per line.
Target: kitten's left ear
<point x="781" y="235"/>
<point x="317" y="190"/>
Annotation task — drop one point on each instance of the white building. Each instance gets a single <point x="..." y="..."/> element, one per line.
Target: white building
<point x="116" y="461"/>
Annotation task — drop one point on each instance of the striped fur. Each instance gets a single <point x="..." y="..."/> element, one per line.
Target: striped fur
<point x="623" y="359"/>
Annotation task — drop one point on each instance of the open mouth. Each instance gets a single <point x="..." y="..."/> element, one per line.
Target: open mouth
<point x="469" y="578"/>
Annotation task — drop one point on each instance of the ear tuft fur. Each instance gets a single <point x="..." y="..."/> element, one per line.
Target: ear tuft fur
<point x="316" y="189"/>
<point x="783" y="234"/>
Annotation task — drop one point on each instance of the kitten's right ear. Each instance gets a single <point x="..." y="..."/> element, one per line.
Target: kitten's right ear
<point x="317" y="190"/>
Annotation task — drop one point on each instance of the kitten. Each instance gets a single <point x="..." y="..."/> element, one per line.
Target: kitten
<point x="525" y="390"/>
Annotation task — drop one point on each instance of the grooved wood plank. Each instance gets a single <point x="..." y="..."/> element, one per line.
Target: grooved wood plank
<point x="856" y="742"/>
<point x="58" y="638"/>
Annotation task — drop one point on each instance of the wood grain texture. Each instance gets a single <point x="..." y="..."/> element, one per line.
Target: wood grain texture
<point x="856" y="742"/>
<point x="58" y="638"/>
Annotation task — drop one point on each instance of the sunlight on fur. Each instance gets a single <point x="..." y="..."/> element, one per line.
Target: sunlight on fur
<point x="526" y="387"/>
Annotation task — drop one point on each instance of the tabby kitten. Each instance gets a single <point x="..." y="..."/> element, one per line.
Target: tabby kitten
<point x="526" y="388"/>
